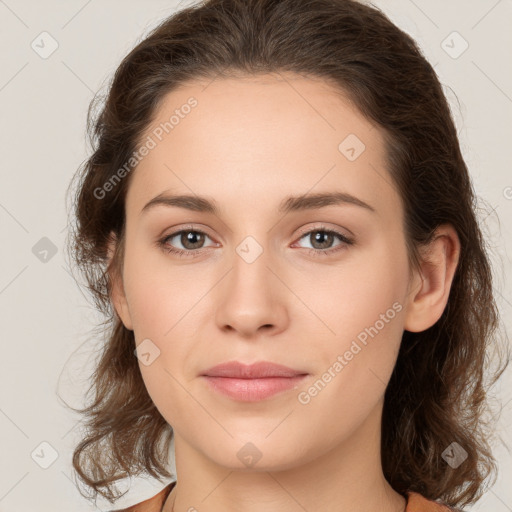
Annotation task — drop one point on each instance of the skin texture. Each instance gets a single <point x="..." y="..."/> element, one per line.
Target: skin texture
<point x="248" y="144"/>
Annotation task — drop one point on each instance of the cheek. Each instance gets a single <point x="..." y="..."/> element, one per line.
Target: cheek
<point x="159" y="293"/>
<point x="165" y="307"/>
<point x="352" y="295"/>
<point x="363" y="306"/>
<point x="355" y="365"/>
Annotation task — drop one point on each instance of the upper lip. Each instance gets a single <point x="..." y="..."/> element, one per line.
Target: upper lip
<point x="262" y="369"/>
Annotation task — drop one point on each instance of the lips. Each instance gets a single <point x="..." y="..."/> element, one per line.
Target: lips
<point x="251" y="383"/>
<point x="263" y="369"/>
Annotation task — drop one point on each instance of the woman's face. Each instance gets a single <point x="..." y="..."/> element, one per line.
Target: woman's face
<point x="263" y="279"/>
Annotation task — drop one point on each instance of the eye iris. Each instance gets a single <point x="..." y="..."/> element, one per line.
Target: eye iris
<point x="322" y="235"/>
<point x="190" y="237"/>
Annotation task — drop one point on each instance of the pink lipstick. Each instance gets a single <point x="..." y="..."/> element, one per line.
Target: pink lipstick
<point x="251" y="383"/>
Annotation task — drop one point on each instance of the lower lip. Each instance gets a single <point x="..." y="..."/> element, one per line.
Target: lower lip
<point x="252" y="390"/>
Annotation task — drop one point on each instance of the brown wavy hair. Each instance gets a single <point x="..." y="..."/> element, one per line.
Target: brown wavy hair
<point x="437" y="393"/>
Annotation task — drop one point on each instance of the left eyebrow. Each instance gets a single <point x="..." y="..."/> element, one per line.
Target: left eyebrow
<point x="289" y="204"/>
<point x="321" y="200"/>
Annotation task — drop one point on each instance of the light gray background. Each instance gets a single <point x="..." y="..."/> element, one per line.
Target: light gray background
<point x="46" y="324"/>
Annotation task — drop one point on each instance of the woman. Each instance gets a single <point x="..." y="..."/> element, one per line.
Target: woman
<point x="346" y="374"/>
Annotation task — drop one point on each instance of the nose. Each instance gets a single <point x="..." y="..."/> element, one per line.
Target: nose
<point x="251" y="299"/>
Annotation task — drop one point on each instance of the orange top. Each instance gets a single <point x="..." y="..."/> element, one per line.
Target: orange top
<point x="415" y="503"/>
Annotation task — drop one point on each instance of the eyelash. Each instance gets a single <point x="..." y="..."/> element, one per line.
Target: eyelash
<point x="314" y="252"/>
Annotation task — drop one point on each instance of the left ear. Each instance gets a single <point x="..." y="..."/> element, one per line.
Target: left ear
<point x="431" y="286"/>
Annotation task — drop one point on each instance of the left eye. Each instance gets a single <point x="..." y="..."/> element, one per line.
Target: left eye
<point x="323" y="238"/>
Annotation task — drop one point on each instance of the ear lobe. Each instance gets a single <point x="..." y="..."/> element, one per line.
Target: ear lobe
<point x="117" y="293"/>
<point x="431" y="289"/>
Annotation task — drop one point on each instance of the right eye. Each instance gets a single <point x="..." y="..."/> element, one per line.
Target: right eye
<point x="190" y="239"/>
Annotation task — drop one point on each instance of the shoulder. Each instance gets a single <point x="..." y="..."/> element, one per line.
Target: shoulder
<point x="418" y="503"/>
<point x="153" y="504"/>
<point x="415" y="503"/>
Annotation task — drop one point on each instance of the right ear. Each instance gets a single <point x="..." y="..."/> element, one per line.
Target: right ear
<point x="117" y="293"/>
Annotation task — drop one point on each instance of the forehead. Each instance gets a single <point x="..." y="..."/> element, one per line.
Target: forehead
<point x="261" y="138"/>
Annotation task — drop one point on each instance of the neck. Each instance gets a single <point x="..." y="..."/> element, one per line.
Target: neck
<point x="346" y="478"/>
